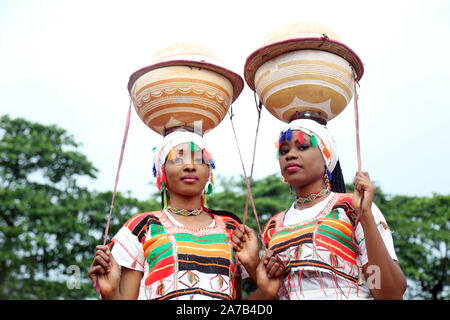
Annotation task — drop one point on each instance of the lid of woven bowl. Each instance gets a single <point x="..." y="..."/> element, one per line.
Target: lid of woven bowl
<point x="189" y="54"/>
<point x="299" y="36"/>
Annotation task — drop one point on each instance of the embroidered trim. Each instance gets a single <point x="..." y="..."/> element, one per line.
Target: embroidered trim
<point x="135" y="259"/>
<point x="313" y="196"/>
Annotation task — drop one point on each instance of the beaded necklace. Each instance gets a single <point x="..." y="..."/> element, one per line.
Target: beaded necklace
<point x="313" y="196"/>
<point x="321" y="193"/>
<point x="185" y="212"/>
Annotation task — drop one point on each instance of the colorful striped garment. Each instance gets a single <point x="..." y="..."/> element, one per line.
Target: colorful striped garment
<point x="318" y="252"/>
<point x="179" y="262"/>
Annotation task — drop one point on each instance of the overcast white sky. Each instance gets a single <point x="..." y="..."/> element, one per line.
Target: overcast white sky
<point x="68" y="63"/>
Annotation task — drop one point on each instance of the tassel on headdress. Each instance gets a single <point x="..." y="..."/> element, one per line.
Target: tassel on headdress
<point x="282" y="136"/>
<point x="208" y="159"/>
<point x="206" y="155"/>
<point x="314" y="142"/>
<point x="300" y="137"/>
<point x="326" y="152"/>
<point x="211" y="176"/>
<point x="193" y="147"/>
<point x="288" y="135"/>
<point x="163" y="177"/>
<point x="158" y="182"/>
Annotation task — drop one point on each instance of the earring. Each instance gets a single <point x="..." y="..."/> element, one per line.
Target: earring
<point x="209" y="188"/>
<point x="165" y="197"/>
<point x="327" y="178"/>
<point x="207" y="192"/>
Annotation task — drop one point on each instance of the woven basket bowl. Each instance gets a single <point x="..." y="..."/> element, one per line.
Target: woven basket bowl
<point x="185" y="86"/>
<point x="303" y="67"/>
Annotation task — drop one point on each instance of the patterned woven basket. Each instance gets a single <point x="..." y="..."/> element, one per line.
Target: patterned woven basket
<point x="303" y="67"/>
<point x="186" y="85"/>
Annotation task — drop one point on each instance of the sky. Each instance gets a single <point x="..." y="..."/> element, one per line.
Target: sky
<point x="68" y="63"/>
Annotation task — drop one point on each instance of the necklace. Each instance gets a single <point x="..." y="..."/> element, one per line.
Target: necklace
<point x="185" y="212"/>
<point x="313" y="196"/>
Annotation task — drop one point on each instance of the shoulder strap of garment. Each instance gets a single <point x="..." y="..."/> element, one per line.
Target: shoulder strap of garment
<point x="141" y="223"/>
<point x="345" y="202"/>
<point x="270" y="229"/>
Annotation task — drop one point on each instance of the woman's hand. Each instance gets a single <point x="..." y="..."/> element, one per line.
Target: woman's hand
<point x="363" y="185"/>
<point x="392" y="281"/>
<point x="268" y="285"/>
<point x="245" y="243"/>
<point x="274" y="267"/>
<point x="107" y="271"/>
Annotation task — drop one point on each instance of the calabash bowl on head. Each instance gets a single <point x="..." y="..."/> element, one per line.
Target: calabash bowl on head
<point x="303" y="67"/>
<point x="185" y="86"/>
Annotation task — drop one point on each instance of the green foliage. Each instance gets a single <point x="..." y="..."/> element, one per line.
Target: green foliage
<point x="420" y="228"/>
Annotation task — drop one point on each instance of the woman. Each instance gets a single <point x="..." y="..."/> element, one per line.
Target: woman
<point x="325" y="256"/>
<point x="182" y="251"/>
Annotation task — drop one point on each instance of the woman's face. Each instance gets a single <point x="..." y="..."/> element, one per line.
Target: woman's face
<point x="300" y="163"/>
<point x="186" y="171"/>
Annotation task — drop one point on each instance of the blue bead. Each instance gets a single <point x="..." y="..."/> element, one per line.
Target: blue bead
<point x="329" y="175"/>
<point x="288" y="134"/>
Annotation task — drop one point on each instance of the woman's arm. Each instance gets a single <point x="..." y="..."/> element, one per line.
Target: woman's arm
<point x="245" y="243"/>
<point x="267" y="286"/>
<point x="388" y="279"/>
<point x="266" y="272"/>
<point x="108" y="273"/>
<point x="130" y="281"/>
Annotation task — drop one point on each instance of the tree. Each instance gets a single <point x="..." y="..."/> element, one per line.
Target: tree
<point x="48" y="222"/>
<point x="420" y="227"/>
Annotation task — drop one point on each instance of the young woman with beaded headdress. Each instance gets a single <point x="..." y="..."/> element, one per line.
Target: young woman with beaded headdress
<point x="183" y="251"/>
<point x="326" y="253"/>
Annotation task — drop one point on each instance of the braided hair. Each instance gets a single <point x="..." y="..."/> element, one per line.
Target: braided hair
<point x="337" y="179"/>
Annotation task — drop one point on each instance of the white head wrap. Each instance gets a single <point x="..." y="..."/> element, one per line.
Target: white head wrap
<point x="325" y="139"/>
<point x="171" y="140"/>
